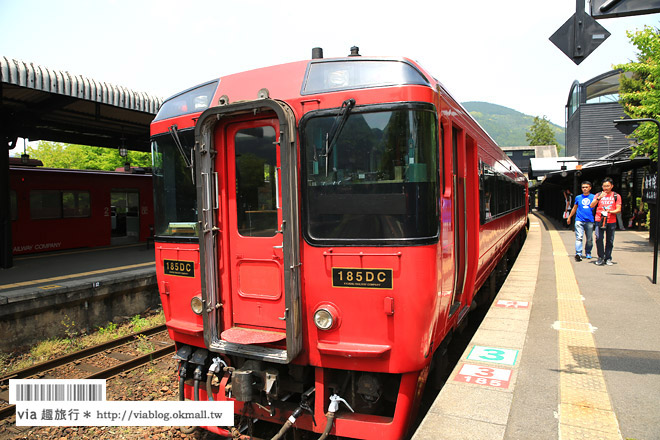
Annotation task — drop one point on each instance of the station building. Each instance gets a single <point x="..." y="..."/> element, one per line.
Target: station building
<point x="595" y="149"/>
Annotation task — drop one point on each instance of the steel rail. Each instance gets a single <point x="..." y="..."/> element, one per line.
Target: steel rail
<point x="68" y="358"/>
<point x="110" y="372"/>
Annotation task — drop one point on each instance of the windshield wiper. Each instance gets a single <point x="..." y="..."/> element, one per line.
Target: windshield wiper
<point x="174" y="132"/>
<point x="332" y="136"/>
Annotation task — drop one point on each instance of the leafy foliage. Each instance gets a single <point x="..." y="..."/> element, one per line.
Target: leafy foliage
<point x="640" y="94"/>
<point x="81" y="157"/>
<point x="540" y="133"/>
<point x="506" y="126"/>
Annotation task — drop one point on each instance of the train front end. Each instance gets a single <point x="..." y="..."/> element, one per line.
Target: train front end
<point x="318" y="230"/>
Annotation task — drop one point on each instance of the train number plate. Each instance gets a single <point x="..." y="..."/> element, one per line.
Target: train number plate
<point x="362" y="278"/>
<point x="179" y="268"/>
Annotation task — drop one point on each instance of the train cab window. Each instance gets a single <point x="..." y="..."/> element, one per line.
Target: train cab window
<point x="326" y="76"/>
<point x="175" y="199"/>
<point x="192" y="100"/>
<point x="45" y="204"/>
<point x="75" y="204"/>
<point x="13" y="205"/>
<point x="377" y="183"/>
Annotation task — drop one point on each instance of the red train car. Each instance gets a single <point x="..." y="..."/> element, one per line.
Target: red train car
<point x="54" y="209"/>
<point x="348" y="212"/>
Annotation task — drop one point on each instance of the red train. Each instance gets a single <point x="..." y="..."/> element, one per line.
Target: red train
<point x="348" y="211"/>
<point x="54" y="209"/>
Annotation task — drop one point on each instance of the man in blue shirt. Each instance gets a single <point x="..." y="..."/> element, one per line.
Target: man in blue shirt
<point x="584" y="221"/>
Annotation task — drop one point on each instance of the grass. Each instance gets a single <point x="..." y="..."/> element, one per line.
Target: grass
<point x="52" y="348"/>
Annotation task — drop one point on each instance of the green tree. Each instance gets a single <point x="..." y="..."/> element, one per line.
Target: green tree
<point x="81" y="157"/>
<point x="639" y="92"/>
<point x="540" y="132"/>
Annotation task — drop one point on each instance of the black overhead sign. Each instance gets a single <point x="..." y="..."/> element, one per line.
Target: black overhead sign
<point x="579" y="36"/>
<point x="650" y="191"/>
<point x="623" y="8"/>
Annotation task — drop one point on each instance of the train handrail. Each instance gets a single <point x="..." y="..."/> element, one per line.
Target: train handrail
<point x="330" y="253"/>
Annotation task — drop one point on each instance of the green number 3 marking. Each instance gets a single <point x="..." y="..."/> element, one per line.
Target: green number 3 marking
<point x="493" y="355"/>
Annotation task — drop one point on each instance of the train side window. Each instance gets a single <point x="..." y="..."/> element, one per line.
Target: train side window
<point x="13" y="205"/>
<point x="45" y="204"/>
<point x="498" y="194"/>
<point x="75" y="204"/>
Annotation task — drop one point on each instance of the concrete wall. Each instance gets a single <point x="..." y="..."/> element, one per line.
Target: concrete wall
<point x="58" y="313"/>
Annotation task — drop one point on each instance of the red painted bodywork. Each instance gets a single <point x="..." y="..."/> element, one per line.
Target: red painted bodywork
<point x="389" y="331"/>
<point x="40" y="235"/>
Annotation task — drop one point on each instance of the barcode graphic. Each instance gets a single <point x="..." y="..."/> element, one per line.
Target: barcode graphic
<point x="56" y="390"/>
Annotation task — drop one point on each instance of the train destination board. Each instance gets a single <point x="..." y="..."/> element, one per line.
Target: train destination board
<point x="480" y="375"/>
<point x="505" y="356"/>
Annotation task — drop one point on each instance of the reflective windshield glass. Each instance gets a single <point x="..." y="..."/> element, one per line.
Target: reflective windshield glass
<point x="194" y="100"/>
<point x="325" y="76"/>
<point x="175" y="201"/>
<point x="378" y="184"/>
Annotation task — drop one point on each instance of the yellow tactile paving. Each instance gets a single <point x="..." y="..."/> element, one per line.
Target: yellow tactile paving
<point x="585" y="410"/>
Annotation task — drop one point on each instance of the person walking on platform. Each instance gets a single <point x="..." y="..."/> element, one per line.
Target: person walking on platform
<point x="608" y="205"/>
<point x="568" y="201"/>
<point x="584" y="221"/>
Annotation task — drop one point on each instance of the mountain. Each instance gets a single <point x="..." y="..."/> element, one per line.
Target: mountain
<point x="507" y="126"/>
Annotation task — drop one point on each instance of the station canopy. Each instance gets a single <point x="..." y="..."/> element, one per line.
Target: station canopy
<point x="43" y="104"/>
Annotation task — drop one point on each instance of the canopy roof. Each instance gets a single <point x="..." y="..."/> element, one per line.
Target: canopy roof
<point x="44" y="104"/>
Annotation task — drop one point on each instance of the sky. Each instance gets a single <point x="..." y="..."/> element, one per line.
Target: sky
<point x="480" y="50"/>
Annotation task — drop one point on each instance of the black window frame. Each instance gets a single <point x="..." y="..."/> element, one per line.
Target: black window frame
<point x="61" y="214"/>
<point x="395" y="242"/>
<point x="506" y="194"/>
<point x="183" y="133"/>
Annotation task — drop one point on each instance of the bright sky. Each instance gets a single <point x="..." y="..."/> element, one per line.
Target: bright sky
<point x="481" y="50"/>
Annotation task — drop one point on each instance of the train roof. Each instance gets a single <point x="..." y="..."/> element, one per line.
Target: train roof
<point x="314" y="76"/>
<point x="32" y="169"/>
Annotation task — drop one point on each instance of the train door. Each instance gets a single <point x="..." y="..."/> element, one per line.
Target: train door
<point x="464" y="160"/>
<point x="255" y="222"/>
<point x="124" y="216"/>
<point x="246" y="177"/>
<point x="460" y="216"/>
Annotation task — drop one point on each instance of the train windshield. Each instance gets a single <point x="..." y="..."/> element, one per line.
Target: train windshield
<point x="175" y="200"/>
<point x="378" y="184"/>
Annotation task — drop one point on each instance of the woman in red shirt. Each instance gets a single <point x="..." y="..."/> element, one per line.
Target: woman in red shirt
<point x="608" y="205"/>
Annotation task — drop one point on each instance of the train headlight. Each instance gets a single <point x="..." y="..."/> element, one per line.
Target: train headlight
<point x="197" y="305"/>
<point x="325" y="317"/>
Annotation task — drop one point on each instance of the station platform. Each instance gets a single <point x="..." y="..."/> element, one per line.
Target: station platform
<point x="86" y="286"/>
<point x="568" y="350"/>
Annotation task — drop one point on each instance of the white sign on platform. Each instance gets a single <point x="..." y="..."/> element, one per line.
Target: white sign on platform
<point x="512" y="304"/>
<point x="478" y="374"/>
<point x="503" y="356"/>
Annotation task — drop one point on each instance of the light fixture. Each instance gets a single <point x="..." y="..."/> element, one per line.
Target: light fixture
<point x="197" y="305"/>
<point x="122" y="150"/>
<point x="25" y="158"/>
<point x="326" y="317"/>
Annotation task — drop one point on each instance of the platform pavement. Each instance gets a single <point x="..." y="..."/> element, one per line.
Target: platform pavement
<point x="582" y="357"/>
<point x="36" y="274"/>
<point x="88" y="287"/>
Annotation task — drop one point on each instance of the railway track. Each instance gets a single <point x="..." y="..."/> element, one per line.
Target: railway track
<point x="77" y="361"/>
